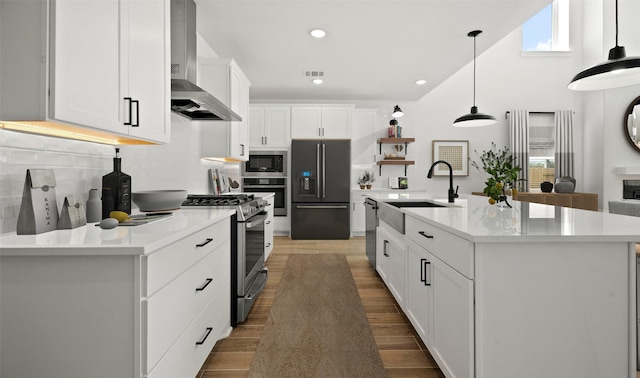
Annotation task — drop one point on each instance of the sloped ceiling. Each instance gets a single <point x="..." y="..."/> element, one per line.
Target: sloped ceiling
<point x="374" y="50"/>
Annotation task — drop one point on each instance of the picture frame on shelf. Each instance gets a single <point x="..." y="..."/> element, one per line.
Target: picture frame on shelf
<point x="454" y="152"/>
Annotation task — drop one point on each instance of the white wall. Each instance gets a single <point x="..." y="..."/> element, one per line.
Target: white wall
<point x="79" y="166"/>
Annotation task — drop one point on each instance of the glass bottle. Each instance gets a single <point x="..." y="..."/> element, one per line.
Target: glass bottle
<point x="119" y="185"/>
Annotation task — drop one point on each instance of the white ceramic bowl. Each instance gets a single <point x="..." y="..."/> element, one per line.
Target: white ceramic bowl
<point x="158" y="200"/>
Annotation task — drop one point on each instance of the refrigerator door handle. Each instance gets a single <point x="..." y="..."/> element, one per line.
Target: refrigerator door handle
<point x="324" y="170"/>
<point x="318" y="170"/>
<point x="322" y="207"/>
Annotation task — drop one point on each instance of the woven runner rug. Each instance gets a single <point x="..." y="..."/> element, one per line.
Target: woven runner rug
<point x="317" y="326"/>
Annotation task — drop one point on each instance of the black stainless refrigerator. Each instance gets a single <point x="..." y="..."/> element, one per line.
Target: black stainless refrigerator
<point x="320" y="189"/>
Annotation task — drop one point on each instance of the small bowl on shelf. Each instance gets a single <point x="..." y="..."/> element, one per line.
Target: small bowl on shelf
<point x="159" y="200"/>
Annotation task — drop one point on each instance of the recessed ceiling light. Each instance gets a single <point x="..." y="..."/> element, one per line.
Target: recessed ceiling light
<point x="317" y="33"/>
<point x="317" y="81"/>
<point x="421" y="82"/>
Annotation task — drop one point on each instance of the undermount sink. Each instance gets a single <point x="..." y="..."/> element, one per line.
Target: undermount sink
<point x="415" y="204"/>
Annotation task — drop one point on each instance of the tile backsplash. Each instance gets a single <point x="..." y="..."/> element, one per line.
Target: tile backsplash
<point x="79" y="166"/>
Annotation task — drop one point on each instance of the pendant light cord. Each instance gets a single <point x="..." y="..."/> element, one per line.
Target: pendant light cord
<point x="474" y="70"/>
<point x="616" y="23"/>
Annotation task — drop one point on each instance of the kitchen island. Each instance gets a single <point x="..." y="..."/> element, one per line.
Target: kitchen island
<point x="529" y="291"/>
<point x="148" y="300"/>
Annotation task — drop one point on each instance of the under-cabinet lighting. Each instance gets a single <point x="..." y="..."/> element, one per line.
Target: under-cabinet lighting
<point x="65" y="131"/>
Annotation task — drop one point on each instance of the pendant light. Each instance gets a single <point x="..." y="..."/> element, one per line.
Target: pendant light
<point x="618" y="71"/>
<point x="474" y="118"/>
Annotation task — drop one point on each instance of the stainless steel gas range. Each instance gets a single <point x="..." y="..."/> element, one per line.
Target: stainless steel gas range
<point x="248" y="273"/>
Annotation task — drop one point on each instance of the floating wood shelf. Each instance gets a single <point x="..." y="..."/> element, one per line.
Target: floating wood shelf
<point x="406" y="141"/>
<point x="394" y="162"/>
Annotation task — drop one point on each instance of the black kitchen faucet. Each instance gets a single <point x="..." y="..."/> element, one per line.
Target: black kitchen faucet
<point x="452" y="195"/>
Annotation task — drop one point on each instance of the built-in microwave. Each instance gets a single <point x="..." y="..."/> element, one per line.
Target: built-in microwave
<point x="265" y="164"/>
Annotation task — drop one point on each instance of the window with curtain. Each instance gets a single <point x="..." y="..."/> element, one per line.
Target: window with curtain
<point x="541" y="150"/>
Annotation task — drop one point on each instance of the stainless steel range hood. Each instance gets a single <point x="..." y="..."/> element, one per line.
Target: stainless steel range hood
<point x="187" y="99"/>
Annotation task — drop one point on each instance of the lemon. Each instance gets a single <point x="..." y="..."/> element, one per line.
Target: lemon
<point x="121" y="216"/>
<point x="499" y="185"/>
<point x="514" y="192"/>
<point x="492" y="201"/>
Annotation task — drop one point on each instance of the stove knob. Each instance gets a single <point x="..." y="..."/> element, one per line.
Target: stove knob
<point x="246" y="211"/>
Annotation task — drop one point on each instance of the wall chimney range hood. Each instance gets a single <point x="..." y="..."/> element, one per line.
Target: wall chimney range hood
<point x="188" y="99"/>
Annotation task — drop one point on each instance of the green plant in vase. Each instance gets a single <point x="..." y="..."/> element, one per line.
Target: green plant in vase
<point x="503" y="171"/>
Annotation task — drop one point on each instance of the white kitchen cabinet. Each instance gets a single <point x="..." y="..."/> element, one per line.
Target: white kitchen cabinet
<point x="357" y="213"/>
<point x="107" y="73"/>
<point x="390" y="260"/>
<point x="418" y="301"/>
<point x="224" y="79"/>
<point x="268" y="229"/>
<point x="269" y="126"/>
<point x="110" y="309"/>
<point x="363" y="142"/>
<point x="321" y="122"/>
<point x="440" y="299"/>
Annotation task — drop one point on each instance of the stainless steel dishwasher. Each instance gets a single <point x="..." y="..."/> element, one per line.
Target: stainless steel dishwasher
<point x="371" y="223"/>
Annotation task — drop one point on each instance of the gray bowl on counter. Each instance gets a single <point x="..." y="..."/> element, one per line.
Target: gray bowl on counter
<point x="159" y="200"/>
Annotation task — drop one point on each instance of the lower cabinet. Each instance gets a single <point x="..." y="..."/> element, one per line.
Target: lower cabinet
<point x="439" y="304"/>
<point x="100" y="312"/>
<point x="390" y="260"/>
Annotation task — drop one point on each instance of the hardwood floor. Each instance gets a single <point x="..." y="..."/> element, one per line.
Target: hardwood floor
<point x="403" y="353"/>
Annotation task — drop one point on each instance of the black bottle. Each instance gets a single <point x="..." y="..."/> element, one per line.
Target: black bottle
<point x="119" y="185"/>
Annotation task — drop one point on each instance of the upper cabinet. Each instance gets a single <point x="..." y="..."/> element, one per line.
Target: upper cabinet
<point x="224" y="79"/>
<point x="325" y="122"/>
<point x="109" y="66"/>
<point x="364" y="125"/>
<point x="269" y="126"/>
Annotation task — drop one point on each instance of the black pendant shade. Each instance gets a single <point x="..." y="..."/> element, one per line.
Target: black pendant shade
<point x="618" y="71"/>
<point x="474" y="119"/>
<point x="397" y="112"/>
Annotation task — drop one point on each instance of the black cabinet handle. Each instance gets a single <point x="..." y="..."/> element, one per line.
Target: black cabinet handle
<point x="209" y="329"/>
<point x="137" y="113"/>
<point x="268" y="245"/>
<point x="209" y="240"/>
<point x="129" y="99"/>
<point x="384" y="248"/>
<point x="425" y="235"/>
<point x="207" y="282"/>
<point x="423" y="271"/>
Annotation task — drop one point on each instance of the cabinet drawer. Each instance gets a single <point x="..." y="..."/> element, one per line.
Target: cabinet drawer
<point x="185" y="357"/>
<point x="170" y="261"/>
<point x="453" y="250"/>
<point x="171" y="310"/>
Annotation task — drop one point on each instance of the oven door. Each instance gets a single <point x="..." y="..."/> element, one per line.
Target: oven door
<point x="250" y="251"/>
<point x="280" y="190"/>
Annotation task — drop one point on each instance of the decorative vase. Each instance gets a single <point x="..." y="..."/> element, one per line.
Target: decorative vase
<point x="94" y="207"/>
<point x="565" y="184"/>
<point x="368" y="186"/>
<point x="546" y="187"/>
<point x="362" y="186"/>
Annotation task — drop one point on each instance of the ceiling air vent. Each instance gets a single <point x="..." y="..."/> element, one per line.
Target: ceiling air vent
<point x="314" y="73"/>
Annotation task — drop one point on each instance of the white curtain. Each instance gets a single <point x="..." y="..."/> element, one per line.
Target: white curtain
<point x="564" y="143"/>
<point x="519" y="144"/>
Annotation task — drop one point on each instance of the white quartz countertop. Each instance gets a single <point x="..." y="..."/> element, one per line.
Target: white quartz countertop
<point x="122" y="240"/>
<point x="473" y="218"/>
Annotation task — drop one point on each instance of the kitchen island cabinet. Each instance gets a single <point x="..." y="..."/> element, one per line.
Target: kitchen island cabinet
<point x="149" y="300"/>
<point x="531" y="291"/>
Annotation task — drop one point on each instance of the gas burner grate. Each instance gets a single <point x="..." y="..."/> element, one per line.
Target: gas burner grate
<point x="217" y="200"/>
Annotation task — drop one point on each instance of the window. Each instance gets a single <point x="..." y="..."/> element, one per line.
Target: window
<point x="541" y="149"/>
<point x="548" y="30"/>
